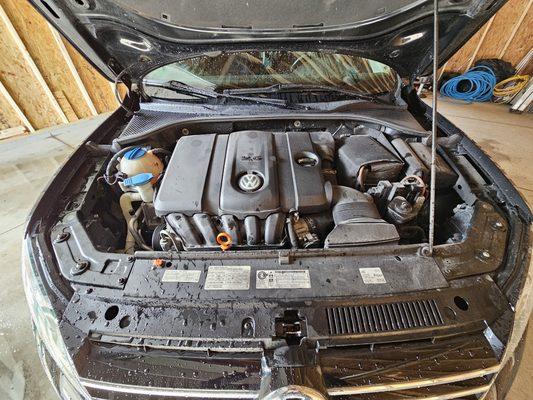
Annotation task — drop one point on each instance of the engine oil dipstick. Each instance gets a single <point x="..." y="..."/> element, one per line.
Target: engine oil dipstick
<point x="224" y="240"/>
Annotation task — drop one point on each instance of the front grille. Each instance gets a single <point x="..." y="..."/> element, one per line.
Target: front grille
<point x="459" y="367"/>
<point x="375" y="318"/>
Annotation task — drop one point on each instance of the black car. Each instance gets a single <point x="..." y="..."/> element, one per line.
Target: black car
<point x="253" y="221"/>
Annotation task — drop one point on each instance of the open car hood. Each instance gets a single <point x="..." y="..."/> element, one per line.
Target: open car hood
<point x="138" y="35"/>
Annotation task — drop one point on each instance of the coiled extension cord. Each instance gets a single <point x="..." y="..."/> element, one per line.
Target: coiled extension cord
<point x="475" y="85"/>
<point x="505" y="90"/>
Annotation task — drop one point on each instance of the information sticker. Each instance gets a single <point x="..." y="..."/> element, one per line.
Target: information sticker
<point x="228" y="277"/>
<point x="372" y="276"/>
<point x="181" y="275"/>
<point x="283" y="279"/>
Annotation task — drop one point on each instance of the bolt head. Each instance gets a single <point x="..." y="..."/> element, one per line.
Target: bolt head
<point x="485" y="254"/>
<point x="63" y="236"/>
<point x="425" y="251"/>
<point x="498" y="226"/>
<point x="80" y="267"/>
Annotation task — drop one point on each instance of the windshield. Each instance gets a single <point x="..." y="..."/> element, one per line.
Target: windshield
<point x="256" y="69"/>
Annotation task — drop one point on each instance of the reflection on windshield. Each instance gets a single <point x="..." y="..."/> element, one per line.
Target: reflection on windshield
<point x="260" y="69"/>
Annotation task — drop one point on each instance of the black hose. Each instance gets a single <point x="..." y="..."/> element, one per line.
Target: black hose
<point x="160" y="150"/>
<point x="111" y="164"/>
<point x="163" y="154"/>
<point x="132" y="229"/>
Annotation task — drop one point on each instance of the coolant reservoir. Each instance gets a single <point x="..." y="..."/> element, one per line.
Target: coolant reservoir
<point x="141" y="161"/>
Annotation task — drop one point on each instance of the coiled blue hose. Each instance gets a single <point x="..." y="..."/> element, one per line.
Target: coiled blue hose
<point x="474" y="85"/>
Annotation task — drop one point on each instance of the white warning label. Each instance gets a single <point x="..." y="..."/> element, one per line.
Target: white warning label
<point x="228" y="277"/>
<point x="372" y="276"/>
<point x="184" y="276"/>
<point x="282" y="279"/>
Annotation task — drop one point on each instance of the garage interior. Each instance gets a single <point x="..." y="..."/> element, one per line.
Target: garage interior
<point x="51" y="99"/>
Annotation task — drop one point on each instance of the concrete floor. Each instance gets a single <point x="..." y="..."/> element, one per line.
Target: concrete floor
<point x="27" y="164"/>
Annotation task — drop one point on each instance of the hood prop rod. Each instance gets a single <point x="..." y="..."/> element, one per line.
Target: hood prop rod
<point x="433" y="177"/>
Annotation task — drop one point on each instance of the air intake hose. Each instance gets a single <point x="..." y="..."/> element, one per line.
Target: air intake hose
<point x="349" y="204"/>
<point x="357" y="220"/>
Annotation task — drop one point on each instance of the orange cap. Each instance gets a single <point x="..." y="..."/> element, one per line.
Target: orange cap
<point x="224" y="240"/>
<point x="158" y="262"/>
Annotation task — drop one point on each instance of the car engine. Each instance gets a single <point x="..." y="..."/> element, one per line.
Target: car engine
<point x="262" y="189"/>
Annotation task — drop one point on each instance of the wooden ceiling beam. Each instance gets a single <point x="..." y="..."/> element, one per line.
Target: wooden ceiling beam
<point x="73" y="70"/>
<point x="4" y="93"/>
<point x="479" y="43"/>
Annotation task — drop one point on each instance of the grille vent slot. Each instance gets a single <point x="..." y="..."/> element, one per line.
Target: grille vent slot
<point x="376" y="318"/>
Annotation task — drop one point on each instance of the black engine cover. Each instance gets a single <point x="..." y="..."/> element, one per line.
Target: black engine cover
<point x="246" y="173"/>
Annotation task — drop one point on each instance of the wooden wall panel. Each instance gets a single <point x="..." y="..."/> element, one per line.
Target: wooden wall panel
<point x="509" y="37"/>
<point x="8" y="118"/>
<point x="501" y="29"/>
<point x="522" y="41"/>
<point x="21" y="80"/>
<point x="34" y="31"/>
<point x="10" y="113"/>
<point x="461" y="59"/>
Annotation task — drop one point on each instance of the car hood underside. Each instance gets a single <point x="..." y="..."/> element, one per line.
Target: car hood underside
<point x="137" y="35"/>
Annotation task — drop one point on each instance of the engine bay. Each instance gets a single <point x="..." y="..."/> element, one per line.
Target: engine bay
<point x="248" y="227"/>
<point x="278" y="187"/>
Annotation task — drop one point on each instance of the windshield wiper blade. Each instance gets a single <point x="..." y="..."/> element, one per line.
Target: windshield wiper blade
<point x="180" y="87"/>
<point x="290" y="87"/>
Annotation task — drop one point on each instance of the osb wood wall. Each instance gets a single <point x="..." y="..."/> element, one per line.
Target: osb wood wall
<point x="508" y="35"/>
<point x="45" y="82"/>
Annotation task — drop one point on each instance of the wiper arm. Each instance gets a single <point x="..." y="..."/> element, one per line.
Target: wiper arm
<point x="180" y="87"/>
<point x="289" y="87"/>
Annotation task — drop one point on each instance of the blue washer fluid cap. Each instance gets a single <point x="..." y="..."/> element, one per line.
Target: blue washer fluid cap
<point x="138" y="180"/>
<point x="135" y="153"/>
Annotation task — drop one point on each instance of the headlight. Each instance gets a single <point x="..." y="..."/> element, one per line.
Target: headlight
<point x="52" y="351"/>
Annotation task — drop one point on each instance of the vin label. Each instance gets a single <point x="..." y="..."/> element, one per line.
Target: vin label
<point x="372" y="276"/>
<point x="282" y="279"/>
<point x="228" y="277"/>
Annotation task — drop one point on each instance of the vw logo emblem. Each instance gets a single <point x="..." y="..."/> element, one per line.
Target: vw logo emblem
<point x="250" y="182"/>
